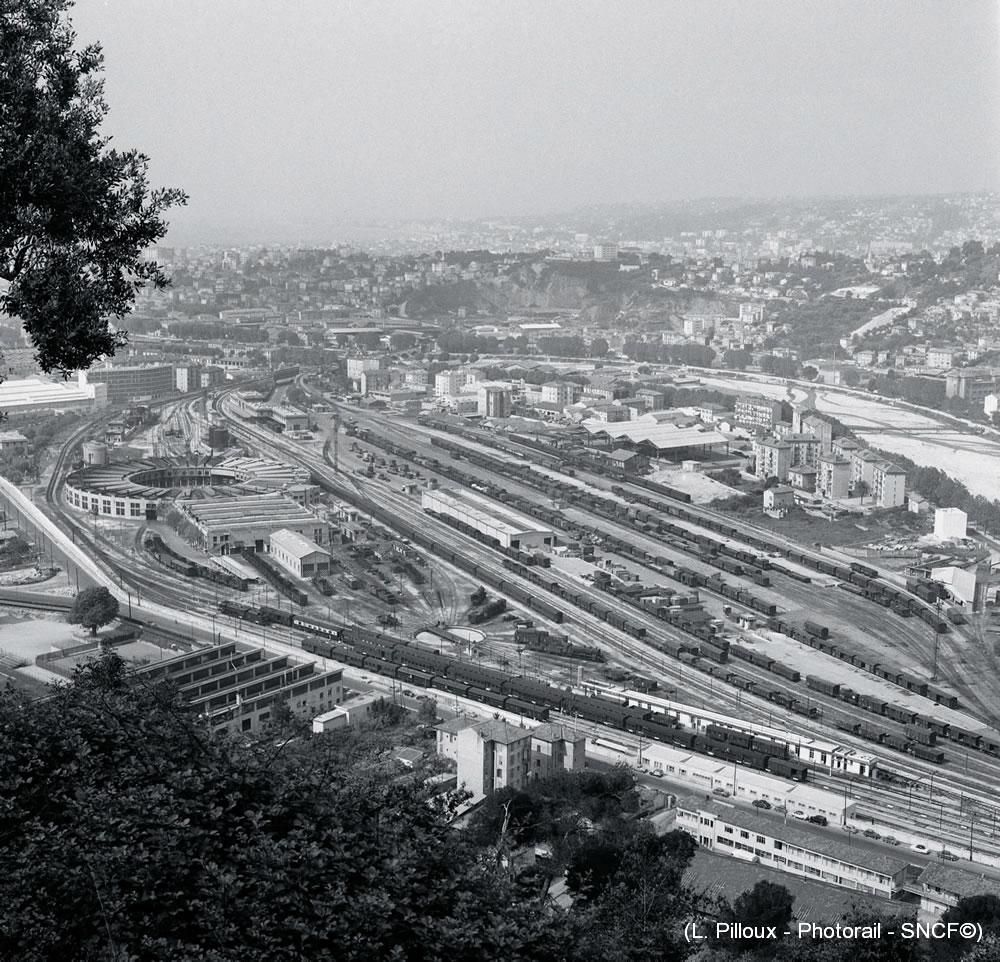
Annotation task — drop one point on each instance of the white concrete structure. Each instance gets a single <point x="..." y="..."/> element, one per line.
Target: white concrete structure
<point x="352" y="713"/>
<point x="950" y="523"/>
<point x="961" y="582"/>
<point x="31" y="394"/>
<point x="299" y="555"/>
<point x="509" y="528"/>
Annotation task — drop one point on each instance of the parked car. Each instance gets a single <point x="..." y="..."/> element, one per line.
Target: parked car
<point x="891" y="840"/>
<point x="818" y="820"/>
<point x="657" y="773"/>
<point x="948" y="856"/>
<point x="851" y="830"/>
<point x="408" y="692"/>
<point x="799" y="815"/>
<point x="871" y="833"/>
<point x="760" y="803"/>
<point x="720" y="792"/>
<point x="920" y="848"/>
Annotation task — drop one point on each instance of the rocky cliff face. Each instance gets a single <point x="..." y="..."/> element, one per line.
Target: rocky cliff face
<point x="600" y="294"/>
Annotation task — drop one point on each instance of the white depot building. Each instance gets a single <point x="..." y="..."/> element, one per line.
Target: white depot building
<point x="298" y="554"/>
<point x="32" y="394"/>
<point x="509" y="528"/>
<point x="950" y="523"/>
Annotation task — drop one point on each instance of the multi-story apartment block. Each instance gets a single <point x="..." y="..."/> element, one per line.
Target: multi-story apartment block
<point x="773" y="458"/>
<point x="943" y="357"/>
<point x="495" y="754"/>
<point x="970" y="385"/>
<point x="134" y="382"/>
<point x="806" y="448"/>
<point x="833" y="476"/>
<point x="560" y="393"/>
<point x="758" y="412"/>
<point x="494" y="402"/>
<point x="888" y="485"/>
<point x="448" y="383"/>
<point x="356" y="366"/>
<point x="863" y="464"/>
<point x="750" y="836"/>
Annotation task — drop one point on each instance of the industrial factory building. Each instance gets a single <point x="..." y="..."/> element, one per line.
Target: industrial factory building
<point x="496" y="521"/>
<point x="237" y="688"/>
<point x="225" y="525"/>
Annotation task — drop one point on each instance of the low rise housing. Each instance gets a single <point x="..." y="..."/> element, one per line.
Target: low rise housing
<point x="941" y="886"/>
<point x="751" y="836"/>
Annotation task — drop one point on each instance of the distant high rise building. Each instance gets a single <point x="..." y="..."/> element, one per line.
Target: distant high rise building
<point x="494" y="402"/>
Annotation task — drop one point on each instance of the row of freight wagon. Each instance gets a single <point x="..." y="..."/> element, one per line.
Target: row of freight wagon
<point x="541" y="453"/>
<point x="694" y="655"/>
<point x="856" y="573"/>
<point x="729" y="558"/>
<point x="411" y="664"/>
<point x="578" y="599"/>
<point x="818" y="636"/>
<point x="922" y="729"/>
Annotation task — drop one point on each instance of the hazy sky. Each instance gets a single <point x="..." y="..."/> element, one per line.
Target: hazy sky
<point x="294" y="119"/>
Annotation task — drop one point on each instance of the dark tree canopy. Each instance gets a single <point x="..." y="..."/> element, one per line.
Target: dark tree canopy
<point x="75" y="213"/>
<point x="129" y="832"/>
<point x="93" y="608"/>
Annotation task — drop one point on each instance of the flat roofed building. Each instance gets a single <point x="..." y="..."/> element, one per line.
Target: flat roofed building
<point x="298" y="554"/>
<point x="237" y="688"/>
<point x="29" y="395"/>
<point x="134" y="382"/>
<point x="752" y="836"/>
<point x="509" y="528"/>
<point x="231" y="524"/>
<point x="291" y="419"/>
<point x="756" y="411"/>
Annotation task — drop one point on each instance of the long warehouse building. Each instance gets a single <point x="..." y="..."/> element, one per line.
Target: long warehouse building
<point x="509" y="528"/>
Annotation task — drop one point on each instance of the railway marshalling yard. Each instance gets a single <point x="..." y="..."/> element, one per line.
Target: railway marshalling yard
<point x="953" y="797"/>
<point x="931" y="794"/>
